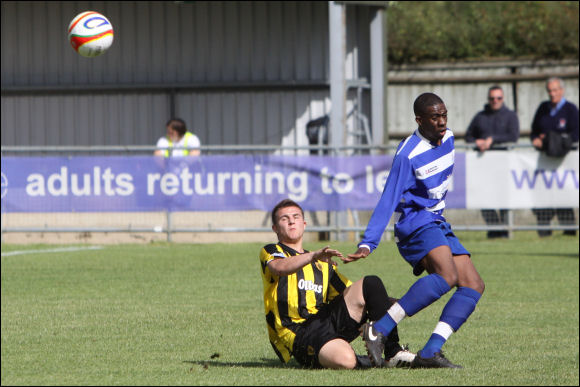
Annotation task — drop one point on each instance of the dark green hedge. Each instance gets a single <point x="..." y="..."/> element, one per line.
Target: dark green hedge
<point x="421" y="31"/>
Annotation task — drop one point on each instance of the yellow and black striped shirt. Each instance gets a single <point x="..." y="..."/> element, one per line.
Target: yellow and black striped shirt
<point x="289" y="300"/>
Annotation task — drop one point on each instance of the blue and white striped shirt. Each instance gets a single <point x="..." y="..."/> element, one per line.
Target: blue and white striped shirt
<point x="415" y="189"/>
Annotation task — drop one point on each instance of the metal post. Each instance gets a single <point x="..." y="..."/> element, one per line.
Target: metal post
<point x="378" y="76"/>
<point x="510" y="216"/>
<point x="169" y="225"/>
<point x="337" y="43"/>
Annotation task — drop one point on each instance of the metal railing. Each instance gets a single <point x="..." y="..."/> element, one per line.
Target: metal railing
<point x="209" y="149"/>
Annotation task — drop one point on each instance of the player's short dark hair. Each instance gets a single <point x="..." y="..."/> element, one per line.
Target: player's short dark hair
<point x="424" y="101"/>
<point x="178" y="125"/>
<point x="495" y="87"/>
<point x="283" y="204"/>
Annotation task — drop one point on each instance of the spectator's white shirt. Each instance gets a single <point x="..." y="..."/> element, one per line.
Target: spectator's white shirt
<point x="185" y="141"/>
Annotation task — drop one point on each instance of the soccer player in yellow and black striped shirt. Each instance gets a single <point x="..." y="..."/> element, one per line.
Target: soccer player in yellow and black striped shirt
<point x="312" y="311"/>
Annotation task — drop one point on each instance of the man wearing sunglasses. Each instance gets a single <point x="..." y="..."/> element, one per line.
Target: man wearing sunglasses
<point x="494" y="125"/>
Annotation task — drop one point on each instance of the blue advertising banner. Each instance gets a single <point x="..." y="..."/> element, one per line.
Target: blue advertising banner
<point x="205" y="183"/>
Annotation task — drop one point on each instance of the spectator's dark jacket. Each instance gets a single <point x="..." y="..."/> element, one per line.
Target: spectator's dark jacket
<point x="503" y="125"/>
<point x="566" y="119"/>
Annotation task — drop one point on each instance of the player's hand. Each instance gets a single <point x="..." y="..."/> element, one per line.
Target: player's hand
<point x="362" y="252"/>
<point x="325" y="254"/>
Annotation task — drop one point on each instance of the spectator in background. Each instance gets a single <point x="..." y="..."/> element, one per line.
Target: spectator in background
<point x="494" y="125"/>
<point x="178" y="137"/>
<point x="554" y="129"/>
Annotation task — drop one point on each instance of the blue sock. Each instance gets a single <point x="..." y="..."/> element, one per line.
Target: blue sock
<point x="433" y="345"/>
<point x="455" y="313"/>
<point x="459" y="307"/>
<point x="385" y="324"/>
<point x="422" y="293"/>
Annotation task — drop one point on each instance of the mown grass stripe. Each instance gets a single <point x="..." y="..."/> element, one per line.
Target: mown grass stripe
<point x="55" y="250"/>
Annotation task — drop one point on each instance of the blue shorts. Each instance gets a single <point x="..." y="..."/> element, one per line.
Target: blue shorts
<point x="416" y="246"/>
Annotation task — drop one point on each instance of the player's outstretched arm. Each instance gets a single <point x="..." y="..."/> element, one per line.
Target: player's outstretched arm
<point x="290" y="265"/>
<point x="362" y="252"/>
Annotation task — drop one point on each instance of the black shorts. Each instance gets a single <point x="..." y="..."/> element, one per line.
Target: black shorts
<point x="332" y="322"/>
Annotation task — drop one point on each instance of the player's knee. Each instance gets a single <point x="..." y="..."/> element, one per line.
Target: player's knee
<point x="476" y="283"/>
<point x="339" y="360"/>
<point x="452" y="278"/>
<point x="372" y="285"/>
<point x="347" y="360"/>
<point x="479" y="286"/>
<point x="337" y="354"/>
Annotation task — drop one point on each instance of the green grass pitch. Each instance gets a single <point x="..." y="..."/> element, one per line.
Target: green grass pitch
<point x="165" y="314"/>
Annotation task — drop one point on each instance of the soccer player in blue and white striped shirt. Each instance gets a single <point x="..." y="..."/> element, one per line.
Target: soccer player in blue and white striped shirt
<point x="415" y="193"/>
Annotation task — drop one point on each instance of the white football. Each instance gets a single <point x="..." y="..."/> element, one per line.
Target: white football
<point x="90" y="34"/>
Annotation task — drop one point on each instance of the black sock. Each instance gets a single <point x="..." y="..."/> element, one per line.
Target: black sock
<point x="377" y="303"/>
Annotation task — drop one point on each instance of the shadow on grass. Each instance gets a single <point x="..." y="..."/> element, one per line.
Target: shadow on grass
<point x="263" y="363"/>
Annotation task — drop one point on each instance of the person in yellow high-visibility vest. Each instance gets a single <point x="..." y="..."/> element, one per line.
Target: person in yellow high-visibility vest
<point x="178" y="137"/>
